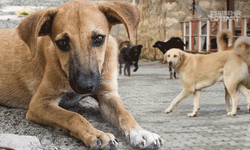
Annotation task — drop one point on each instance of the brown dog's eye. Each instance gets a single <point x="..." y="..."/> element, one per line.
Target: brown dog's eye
<point x="63" y="44"/>
<point x="98" y="40"/>
<point x="168" y="55"/>
<point x="175" y="56"/>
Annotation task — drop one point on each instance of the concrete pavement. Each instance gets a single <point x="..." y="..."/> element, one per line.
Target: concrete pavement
<point x="145" y="95"/>
<point x="150" y="91"/>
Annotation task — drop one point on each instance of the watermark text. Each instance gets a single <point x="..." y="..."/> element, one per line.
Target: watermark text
<point x="225" y="15"/>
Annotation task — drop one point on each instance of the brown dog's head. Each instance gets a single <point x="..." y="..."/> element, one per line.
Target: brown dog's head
<point x="79" y="31"/>
<point x="174" y="57"/>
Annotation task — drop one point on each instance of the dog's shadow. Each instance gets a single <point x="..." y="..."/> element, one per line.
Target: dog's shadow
<point x="89" y="109"/>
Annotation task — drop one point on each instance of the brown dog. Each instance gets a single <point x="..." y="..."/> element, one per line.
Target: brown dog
<point x="199" y="71"/>
<point x="57" y="56"/>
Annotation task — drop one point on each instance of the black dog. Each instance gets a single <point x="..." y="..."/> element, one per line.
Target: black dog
<point x="174" y="42"/>
<point x="129" y="56"/>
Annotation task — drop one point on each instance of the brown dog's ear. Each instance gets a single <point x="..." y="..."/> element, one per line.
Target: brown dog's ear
<point x="165" y="58"/>
<point x="182" y="56"/>
<point x="122" y="12"/>
<point x="36" y="24"/>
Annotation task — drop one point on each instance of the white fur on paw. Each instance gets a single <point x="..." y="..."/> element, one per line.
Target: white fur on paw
<point x="231" y="114"/>
<point x="192" y="115"/>
<point x="168" y="110"/>
<point x="142" y="139"/>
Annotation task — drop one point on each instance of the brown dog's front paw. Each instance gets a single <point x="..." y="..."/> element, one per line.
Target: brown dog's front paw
<point x="168" y="110"/>
<point x="191" y="114"/>
<point x="97" y="145"/>
<point x="106" y="142"/>
<point x="142" y="139"/>
<point x="231" y="114"/>
<point x="112" y="145"/>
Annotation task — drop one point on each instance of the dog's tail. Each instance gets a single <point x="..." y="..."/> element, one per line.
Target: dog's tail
<point x="221" y="39"/>
<point x="242" y="46"/>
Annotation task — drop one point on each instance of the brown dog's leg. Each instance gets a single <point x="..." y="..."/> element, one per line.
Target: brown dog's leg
<point x="227" y="99"/>
<point x="196" y="101"/>
<point x="246" y="92"/>
<point x="231" y="88"/>
<point x="113" y="110"/>
<point x="43" y="109"/>
<point x="177" y="100"/>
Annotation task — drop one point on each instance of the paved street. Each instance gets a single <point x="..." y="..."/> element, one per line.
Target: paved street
<point x="145" y="95"/>
<point x="150" y="91"/>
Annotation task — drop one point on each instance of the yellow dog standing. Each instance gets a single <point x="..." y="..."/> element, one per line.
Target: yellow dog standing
<point x="197" y="71"/>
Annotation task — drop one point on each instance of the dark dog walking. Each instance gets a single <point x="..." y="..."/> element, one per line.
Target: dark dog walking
<point x="129" y="56"/>
<point x="174" y="42"/>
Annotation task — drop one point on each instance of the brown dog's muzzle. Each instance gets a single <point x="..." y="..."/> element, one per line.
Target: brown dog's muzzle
<point x="170" y="63"/>
<point x="84" y="82"/>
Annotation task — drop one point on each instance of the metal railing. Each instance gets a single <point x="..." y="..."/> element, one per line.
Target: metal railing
<point x="198" y="36"/>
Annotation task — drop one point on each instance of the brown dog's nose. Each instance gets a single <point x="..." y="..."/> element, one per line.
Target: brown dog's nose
<point x="87" y="88"/>
<point x="170" y="63"/>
